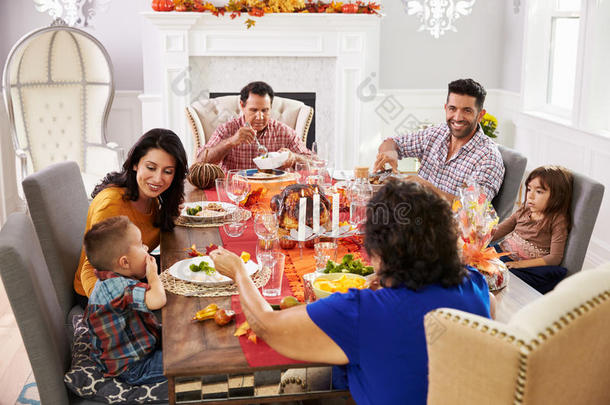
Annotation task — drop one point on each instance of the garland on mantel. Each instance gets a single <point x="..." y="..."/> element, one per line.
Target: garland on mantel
<point x="258" y="8"/>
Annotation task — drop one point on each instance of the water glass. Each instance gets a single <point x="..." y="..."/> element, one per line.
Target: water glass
<point x="237" y="223"/>
<point x="310" y="295"/>
<point x="323" y="252"/>
<point x="236" y="186"/>
<point x="266" y="225"/>
<point x="302" y="169"/>
<point x="275" y="261"/>
<point x="265" y="249"/>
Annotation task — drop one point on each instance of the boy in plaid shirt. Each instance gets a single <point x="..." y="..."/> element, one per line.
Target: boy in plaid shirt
<point x="125" y="335"/>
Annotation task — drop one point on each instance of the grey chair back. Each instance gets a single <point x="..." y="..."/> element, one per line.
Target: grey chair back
<point x="514" y="168"/>
<point x="58" y="206"/>
<point x="36" y="308"/>
<point x="587" y="195"/>
<point x="42" y="323"/>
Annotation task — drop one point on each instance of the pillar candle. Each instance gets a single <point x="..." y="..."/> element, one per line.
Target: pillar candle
<point x="335" y="216"/>
<point x="302" y="212"/>
<point x="316" y="212"/>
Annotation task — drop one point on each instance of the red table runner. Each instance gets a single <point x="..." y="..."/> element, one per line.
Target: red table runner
<point x="260" y="354"/>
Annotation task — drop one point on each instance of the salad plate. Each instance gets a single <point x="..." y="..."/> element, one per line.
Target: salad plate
<point x="211" y="278"/>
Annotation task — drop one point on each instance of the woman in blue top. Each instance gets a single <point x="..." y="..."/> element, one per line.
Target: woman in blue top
<point x="411" y="239"/>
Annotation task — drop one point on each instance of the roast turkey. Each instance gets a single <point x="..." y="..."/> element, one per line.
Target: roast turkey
<point x="286" y="205"/>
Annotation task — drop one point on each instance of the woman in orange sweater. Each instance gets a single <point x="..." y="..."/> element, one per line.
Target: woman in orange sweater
<point x="148" y="190"/>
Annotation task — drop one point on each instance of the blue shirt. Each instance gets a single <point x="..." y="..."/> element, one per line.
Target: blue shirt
<point x="382" y="334"/>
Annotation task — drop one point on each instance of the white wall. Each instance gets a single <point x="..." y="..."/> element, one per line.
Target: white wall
<point x="415" y="60"/>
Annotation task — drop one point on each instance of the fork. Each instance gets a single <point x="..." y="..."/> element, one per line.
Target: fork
<point x="261" y="147"/>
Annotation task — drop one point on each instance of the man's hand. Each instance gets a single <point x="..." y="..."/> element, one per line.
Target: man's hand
<point x="388" y="153"/>
<point x="243" y="135"/>
<point x="227" y="263"/>
<point x="151" y="267"/>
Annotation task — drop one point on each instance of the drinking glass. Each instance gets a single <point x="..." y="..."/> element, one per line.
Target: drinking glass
<point x="323" y="252"/>
<point x="237" y="223"/>
<point x="237" y="186"/>
<point x="314" y="148"/>
<point x="308" y="279"/>
<point x="266" y="225"/>
<point x="302" y="169"/>
<point x="265" y="249"/>
<point x="273" y="288"/>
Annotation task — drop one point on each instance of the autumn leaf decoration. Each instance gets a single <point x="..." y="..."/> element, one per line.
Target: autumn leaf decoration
<point x="258" y="8"/>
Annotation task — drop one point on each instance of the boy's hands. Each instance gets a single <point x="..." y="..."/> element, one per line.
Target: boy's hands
<point x="151" y="267"/>
<point x="226" y="263"/>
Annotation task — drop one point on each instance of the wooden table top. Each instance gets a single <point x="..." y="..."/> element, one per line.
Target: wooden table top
<point x="513" y="297"/>
<point x="205" y="348"/>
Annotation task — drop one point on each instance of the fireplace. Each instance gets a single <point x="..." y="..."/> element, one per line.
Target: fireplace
<point x="188" y="54"/>
<point x="308" y="99"/>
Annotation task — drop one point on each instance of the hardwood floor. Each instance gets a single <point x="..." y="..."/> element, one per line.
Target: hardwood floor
<point x="14" y="364"/>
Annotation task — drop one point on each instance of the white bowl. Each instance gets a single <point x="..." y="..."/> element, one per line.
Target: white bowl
<point x="332" y="277"/>
<point x="272" y="161"/>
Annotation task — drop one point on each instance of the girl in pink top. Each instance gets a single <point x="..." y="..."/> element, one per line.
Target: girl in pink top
<point x="536" y="234"/>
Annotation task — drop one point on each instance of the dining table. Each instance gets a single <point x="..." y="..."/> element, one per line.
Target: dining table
<point x="206" y="363"/>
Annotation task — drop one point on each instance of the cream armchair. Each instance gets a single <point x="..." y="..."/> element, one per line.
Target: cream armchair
<point x="205" y="115"/>
<point x="58" y="88"/>
<point x="553" y="351"/>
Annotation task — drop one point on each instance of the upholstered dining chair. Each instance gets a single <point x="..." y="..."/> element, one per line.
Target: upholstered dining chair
<point x="552" y="351"/>
<point x="205" y="115"/>
<point x="41" y="320"/>
<point x="514" y="169"/>
<point x="58" y="89"/>
<point x="587" y="195"/>
<point x="58" y="206"/>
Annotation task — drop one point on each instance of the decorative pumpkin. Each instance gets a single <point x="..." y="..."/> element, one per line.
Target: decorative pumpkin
<point x="349" y="8"/>
<point x="203" y="175"/>
<point x="162" y="5"/>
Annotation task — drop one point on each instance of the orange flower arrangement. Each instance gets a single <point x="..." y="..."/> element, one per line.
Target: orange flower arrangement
<point x="258" y="8"/>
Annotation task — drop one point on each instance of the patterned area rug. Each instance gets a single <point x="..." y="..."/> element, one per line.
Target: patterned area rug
<point x="29" y="393"/>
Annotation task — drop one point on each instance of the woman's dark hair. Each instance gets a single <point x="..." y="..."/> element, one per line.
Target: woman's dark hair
<point x="412" y="231"/>
<point x="558" y="180"/>
<point x="171" y="198"/>
<point x="258" y="88"/>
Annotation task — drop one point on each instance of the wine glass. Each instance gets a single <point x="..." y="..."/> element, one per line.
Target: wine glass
<point x="264" y="252"/>
<point x="266" y="225"/>
<point x="237" y="186"/>
<point x="314" y="148"/>
<point x="302" y="169"/>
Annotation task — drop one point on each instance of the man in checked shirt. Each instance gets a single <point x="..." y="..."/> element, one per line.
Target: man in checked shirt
<point x="233" y="145"/>
<point x="453" y="153"/>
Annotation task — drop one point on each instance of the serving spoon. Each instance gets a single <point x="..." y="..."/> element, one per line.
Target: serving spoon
<point x="262" y="150"/>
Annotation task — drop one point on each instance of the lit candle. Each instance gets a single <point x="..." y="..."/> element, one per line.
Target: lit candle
<point x="302" y="212"/>
<point x="335" y="216"/>
<point x="316" y="212"/>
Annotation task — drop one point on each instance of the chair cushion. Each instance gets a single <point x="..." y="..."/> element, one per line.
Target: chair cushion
<point x="86" y="380"/>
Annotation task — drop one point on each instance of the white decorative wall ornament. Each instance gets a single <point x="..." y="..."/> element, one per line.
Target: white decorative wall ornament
<point x="438" y="16"/>
<point x="73" y="12"/>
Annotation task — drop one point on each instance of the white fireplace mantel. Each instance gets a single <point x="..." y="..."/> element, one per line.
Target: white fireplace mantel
<point x="351" y="40"/>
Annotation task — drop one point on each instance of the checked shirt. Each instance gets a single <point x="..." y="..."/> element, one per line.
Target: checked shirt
<point x="275" y="136"/>
<point x="122" y="328"/>
<point x="479" y="159"/>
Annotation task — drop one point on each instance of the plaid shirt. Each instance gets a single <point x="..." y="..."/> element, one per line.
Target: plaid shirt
<point x="275" y="136"/>
<point x="479" y="159"/>
<point x="122" y="328"/>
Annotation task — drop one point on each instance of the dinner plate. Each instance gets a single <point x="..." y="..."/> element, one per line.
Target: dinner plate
<point x="255" y="174"/>
<point x="181" y="270"/>
<point x="208" y="214"/>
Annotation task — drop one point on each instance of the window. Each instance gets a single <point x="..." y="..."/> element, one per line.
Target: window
<point x="566" y="62"/>
<point x="562" y="59"/>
